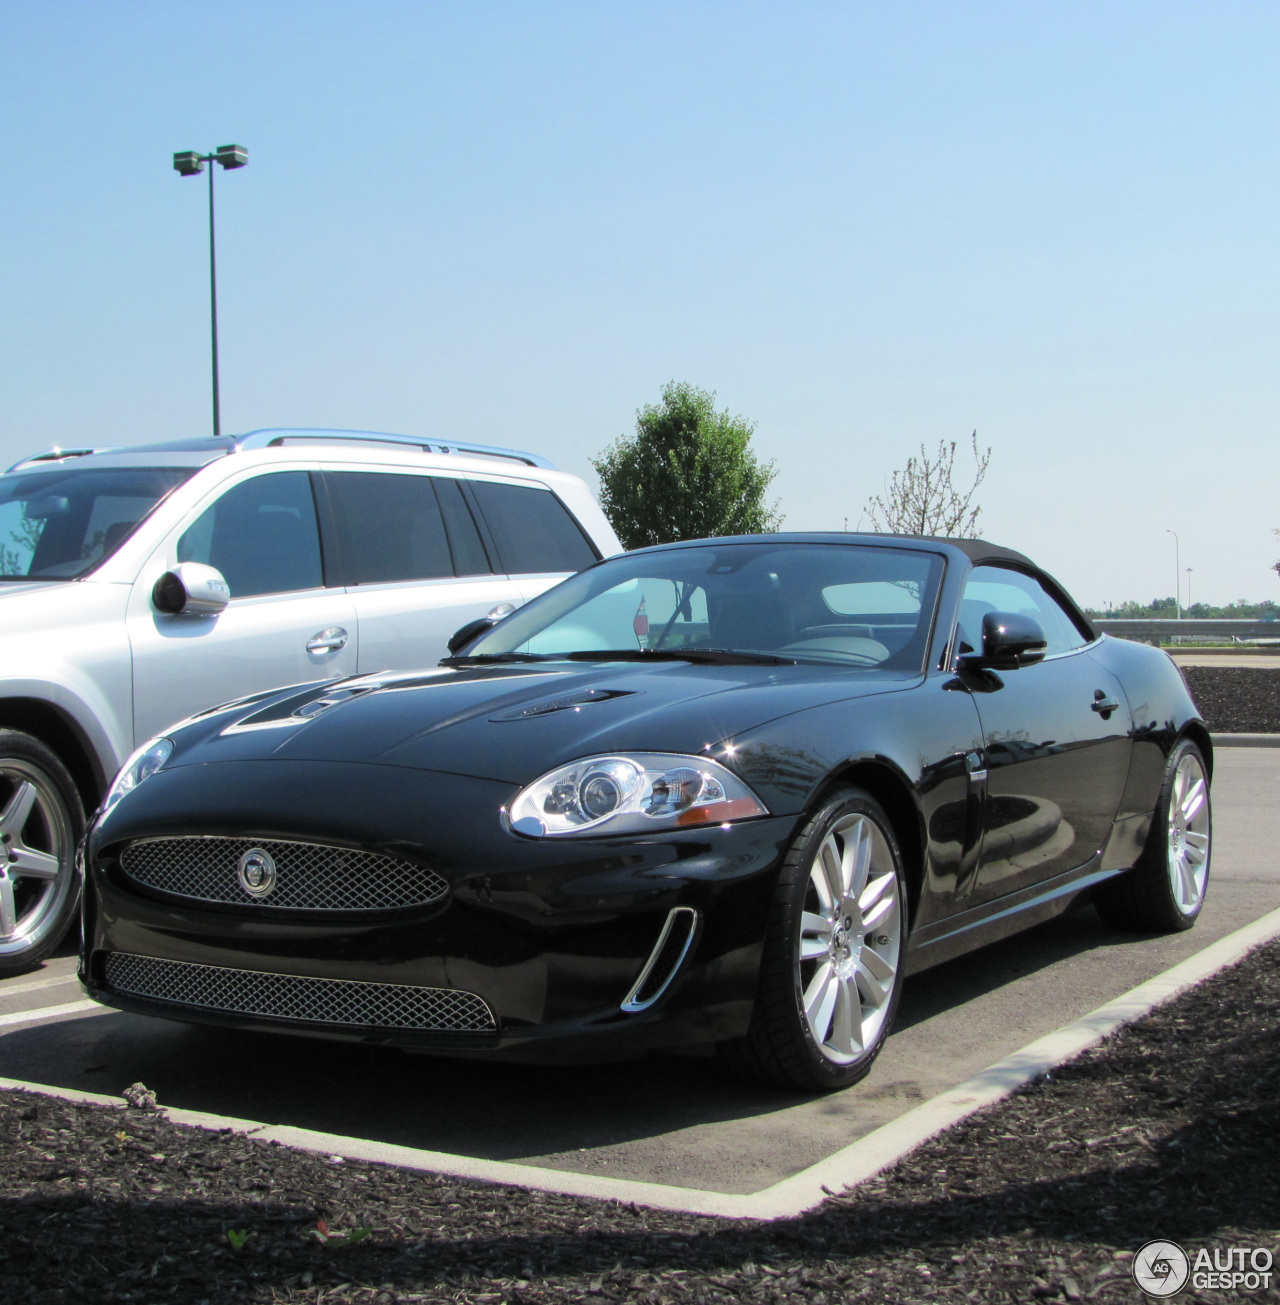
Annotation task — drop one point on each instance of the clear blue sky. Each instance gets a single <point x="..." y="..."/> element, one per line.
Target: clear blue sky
<point x="863" y="225"/>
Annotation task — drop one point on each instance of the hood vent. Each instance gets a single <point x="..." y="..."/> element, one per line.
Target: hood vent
<point x="566" y="702"/>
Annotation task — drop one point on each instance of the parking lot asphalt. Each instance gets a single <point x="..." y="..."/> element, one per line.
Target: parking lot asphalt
<point x="666" y="1119"/>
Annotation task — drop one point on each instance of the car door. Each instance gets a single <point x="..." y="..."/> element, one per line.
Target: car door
<point x="1056" y="742"/>
<point x="412" y="561"/>
<point x="282" y="625"/>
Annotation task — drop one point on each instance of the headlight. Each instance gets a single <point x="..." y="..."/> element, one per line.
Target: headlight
<point x="637" y="793"/>
<point x="141" y="765"/>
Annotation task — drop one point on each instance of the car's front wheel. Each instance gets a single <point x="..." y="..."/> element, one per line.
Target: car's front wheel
<point x="41" y="821"/>
<point x="1165" y="889"/>
<point x="831" y="971"/>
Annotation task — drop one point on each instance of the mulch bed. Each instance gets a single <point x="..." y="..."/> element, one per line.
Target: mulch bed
<point x="1236" y="699"/>
<point x="1169" y="1129"/>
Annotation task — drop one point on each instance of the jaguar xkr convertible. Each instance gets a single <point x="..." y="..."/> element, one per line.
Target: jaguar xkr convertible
<point x="726" y="794"/>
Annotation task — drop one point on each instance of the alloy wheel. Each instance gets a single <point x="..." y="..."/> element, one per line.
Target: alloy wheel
<point x="850" y="939"/>
<point x="1188" y="833"/>
<point x="36" y="846"/>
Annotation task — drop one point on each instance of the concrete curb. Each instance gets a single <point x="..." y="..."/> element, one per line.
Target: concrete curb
<point x="801" y="1192"/>
<point x="1246" y="740"/>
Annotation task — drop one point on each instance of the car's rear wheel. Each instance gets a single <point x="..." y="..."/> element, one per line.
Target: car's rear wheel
<point x="831" y="971"/>
<point x="41" y="821"/>
<point x="1165" y="889"/>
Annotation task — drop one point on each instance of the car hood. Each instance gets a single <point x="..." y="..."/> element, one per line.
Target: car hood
<point x="513" y="723"/>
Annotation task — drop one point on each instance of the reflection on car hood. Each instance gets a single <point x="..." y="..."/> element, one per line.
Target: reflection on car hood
<point x="513" y="723"/>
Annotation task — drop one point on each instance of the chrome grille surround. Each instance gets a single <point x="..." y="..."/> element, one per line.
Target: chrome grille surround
<point x="309" y="876"/>
<point x="297" y="997"/>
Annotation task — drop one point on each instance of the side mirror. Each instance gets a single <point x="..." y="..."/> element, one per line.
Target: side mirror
<point x="1009" y="640"/>
<point x="191" y="589"/>
<point x="472" y="630"/>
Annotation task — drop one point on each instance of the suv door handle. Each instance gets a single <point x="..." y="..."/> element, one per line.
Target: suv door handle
<point x="329" y="640"/>
<point x="1103" y="705"/>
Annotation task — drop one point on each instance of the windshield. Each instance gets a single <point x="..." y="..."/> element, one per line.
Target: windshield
<point x="56" y="525"/>
<point x="838" y="603"/>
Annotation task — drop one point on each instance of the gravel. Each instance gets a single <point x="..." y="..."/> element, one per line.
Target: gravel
<point x="1169" y="1129"/>
<point x="1236" y="699"/>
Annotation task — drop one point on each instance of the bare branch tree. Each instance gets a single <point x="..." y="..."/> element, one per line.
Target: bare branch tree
<point x="923" y="498"/>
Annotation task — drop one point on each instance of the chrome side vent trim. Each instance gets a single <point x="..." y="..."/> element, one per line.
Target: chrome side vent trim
<point x="665" y="960"/>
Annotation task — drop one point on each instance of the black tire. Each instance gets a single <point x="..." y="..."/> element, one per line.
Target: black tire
<point x="1165" y="890"/>
<point x="41" y="823"/>
<point x="782" y="1046"/>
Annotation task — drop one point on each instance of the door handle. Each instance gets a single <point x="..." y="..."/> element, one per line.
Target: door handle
<point x="1104" y="705"/>
<point x="327" y="641"/>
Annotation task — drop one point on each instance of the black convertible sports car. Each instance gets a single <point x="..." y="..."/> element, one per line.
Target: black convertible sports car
<point x="721" y="793"/>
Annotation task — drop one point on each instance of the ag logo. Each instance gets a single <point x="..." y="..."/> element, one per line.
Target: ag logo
<point x="256" y="872"/>
<point x="1161" y="1269"/>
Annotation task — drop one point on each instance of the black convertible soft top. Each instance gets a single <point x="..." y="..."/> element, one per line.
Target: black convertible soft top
<point x="976" y="550"/>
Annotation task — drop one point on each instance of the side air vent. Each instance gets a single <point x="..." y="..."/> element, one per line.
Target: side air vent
<point x="665" y="960"/>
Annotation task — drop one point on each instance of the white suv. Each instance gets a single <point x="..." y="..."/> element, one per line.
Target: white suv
<point x="141" y="585"/>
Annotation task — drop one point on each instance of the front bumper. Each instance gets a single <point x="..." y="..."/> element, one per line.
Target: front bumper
<point x="550" y="936"/>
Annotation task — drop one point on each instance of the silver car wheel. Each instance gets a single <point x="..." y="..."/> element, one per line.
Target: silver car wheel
<point x="850" y="939"/>
<point x="1188" y="834"/>
<point x="37" y="849"/>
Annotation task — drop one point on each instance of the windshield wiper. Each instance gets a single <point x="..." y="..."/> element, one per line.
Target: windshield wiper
<point x="703" y="656"/>
<point x="497" y="659"/>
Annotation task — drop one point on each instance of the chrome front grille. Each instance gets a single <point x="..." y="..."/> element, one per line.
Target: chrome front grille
<point x="295" y="997"/>
<point x="308" y="876"/>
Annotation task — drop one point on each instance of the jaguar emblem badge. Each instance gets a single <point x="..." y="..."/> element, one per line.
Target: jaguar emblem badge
<point x="256" y="872"/>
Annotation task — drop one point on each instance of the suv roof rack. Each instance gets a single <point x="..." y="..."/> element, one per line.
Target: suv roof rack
<point x="55" y="455"/>
<point x="266" y="439"/>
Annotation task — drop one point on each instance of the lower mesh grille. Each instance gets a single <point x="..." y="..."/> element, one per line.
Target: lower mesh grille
<point x="294" y="997"/>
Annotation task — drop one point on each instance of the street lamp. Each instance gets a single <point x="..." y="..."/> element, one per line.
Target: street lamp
<point x="1189" y="570"/>
<point x="1177" y="572"/>
<point x="188" y="163"/>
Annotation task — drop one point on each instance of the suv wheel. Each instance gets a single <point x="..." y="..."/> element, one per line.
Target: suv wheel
<point x="41" y="822"/>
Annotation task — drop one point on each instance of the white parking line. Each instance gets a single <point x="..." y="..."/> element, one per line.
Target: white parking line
<point x="50" y="1012"/>
<point x="7" y="990"/>
<point x="792" y="1196"/>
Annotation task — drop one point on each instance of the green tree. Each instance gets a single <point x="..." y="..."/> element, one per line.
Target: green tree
<point x="687" y="473"/>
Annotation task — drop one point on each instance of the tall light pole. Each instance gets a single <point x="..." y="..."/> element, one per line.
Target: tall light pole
<point x="1189" y="570"/>
<point x="1177" y="572"/>
<point x="188" y="164"/>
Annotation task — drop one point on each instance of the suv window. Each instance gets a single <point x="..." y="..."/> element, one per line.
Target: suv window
<point x="262" y="535"/>
<point x="469" y="557"/>
<point x="533" y="531"/>
<point x="56" y="525"/>
<point x="1001" y="589"/>
<point x="390" y="527"/>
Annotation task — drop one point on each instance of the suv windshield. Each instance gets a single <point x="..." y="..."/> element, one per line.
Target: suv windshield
<point x="56" y="525"/>
<point x="847" y="604"/>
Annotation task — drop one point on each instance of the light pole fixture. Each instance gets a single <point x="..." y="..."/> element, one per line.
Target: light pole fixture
<point x="1189" y="570"/>
<point x="188" y="163"/>
<point x="1177" y="572"/>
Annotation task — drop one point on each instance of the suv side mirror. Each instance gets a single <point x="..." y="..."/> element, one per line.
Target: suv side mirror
<point x="1009" y="640"/>
<point x="472" y="630"/>
<point x="191" y="589"/>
